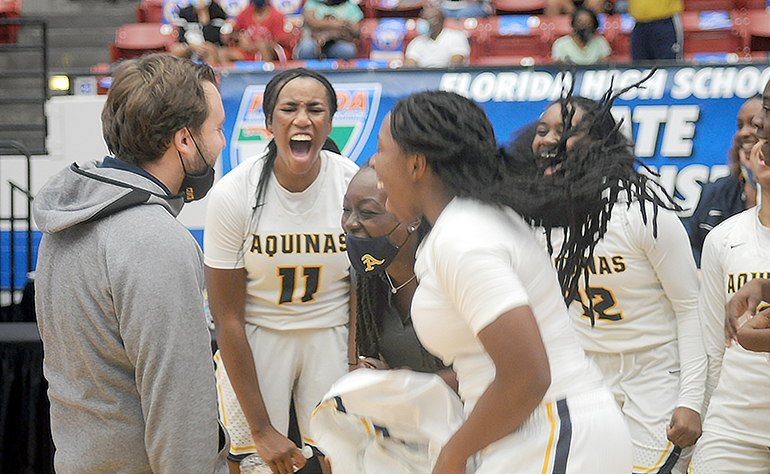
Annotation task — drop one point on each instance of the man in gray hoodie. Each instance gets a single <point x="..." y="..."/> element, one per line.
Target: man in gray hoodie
<point x="119" y="282"/>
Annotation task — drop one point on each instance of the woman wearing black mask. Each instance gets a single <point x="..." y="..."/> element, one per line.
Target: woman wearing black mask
<point x="583" y="45"/>
<point x="382" y="254"/>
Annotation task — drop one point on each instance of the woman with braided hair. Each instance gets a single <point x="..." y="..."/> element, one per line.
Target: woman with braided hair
<point x="382" y="253"/>
<point x="489" y="302"/>
<point x="277" y="274"/>
<point x="638" y="319"/>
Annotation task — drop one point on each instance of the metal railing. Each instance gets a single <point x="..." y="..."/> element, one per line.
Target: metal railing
<point x="28" y="57"/>
<point x="16" y="285"/>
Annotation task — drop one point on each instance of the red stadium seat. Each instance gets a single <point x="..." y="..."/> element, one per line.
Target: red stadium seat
<point x="755" y="30"/>
<point x="617" y="30"/>
<point x="135" y="39"/>
<point x="149" y="11"/>
<point x="704" y="5"/>
<point x="751" y="4"/>
<point x="392" y="8"/>
<point x="519" y="7"/>
<point x="711" y="32"/>
<point x="554" y="27"/>
<point x="9" y="9"/>
<point x="515" y="36"/>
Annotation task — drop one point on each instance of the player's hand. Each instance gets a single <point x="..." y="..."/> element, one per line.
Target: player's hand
<point x="752" y="335"/>
<point x="745" y="299"/>
<point x="684" y="428"/>
<point x="372" y="363"/>
<point x="278" y="452"/>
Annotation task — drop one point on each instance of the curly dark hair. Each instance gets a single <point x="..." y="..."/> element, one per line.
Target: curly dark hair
<point x="456" y="138"/>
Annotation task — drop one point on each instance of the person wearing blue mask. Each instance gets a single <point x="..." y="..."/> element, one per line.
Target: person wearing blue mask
<point x="733" y="193"/>
<point x="382" y="253"/>
<point x="436" y="46"/>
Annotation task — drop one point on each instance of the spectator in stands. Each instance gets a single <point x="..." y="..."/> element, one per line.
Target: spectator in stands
<point x="258" y="34"/>
<point x="735" y="192"/>
<point x="331" y="31"/>
<point x="657" y="33"/>
<point x="566" y="7"/>
<point x="200" y="28"/>
<point x="583" y="45"/>
<point x="461" y="9"/>
<point x="436" y="46"/>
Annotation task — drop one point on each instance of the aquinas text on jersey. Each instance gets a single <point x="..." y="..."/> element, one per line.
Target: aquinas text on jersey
<point x="272" y="244"/>
<point x="604" y="265"/>
<point x="736" y="281"/>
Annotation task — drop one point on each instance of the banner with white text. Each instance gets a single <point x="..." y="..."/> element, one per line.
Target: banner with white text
<point x="682" y="122"/>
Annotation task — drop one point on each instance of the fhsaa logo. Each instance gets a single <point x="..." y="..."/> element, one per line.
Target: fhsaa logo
<point x="389" y="34"/>
<point x="357" y="106"/>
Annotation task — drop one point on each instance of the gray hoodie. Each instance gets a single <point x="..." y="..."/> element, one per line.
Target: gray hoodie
<point x="120" y="308"/>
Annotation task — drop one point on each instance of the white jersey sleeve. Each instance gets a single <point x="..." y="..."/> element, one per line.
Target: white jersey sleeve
<point x="644" y="292"/>
<point x="671" y="257"/>
<point x="711" y="303"/>
<point x="738" y="389"/>
<point x="227" y="216"/>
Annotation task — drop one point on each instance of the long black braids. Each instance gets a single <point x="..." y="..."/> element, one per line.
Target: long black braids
<point x="455" y="136"/>
<point x="372" y="294"/>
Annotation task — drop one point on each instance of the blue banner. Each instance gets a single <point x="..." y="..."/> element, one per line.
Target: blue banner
<point x="682" y="122"/>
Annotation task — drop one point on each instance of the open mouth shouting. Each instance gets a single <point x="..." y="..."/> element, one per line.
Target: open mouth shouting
<point x="300" y="145"/>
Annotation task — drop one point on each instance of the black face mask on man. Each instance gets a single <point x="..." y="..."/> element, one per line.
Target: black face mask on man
<point x="371" y="255"/>
<point x="196" y="186"/>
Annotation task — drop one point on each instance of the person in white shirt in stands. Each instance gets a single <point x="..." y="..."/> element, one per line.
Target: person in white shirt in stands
<point x="436" y="46"/>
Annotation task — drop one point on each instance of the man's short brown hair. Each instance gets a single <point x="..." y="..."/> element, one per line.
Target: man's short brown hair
<point x="150" y="99"/>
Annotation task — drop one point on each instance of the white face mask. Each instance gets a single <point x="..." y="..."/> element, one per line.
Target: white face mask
<point x="422" y="27"/>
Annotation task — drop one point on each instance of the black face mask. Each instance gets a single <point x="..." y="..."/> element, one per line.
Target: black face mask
<point x="371" y="255"/>
<point x="584" y="34"/>
<point x="195" y="187"/>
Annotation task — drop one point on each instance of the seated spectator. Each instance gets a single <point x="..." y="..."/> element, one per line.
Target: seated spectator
<point x="566" y="7"/>
<point x="331" y="30"/>
<point x="200" y="31"/>
<point x="436" y="46"/>
<point x="462" y="9"/>
<point x="258" y="34"/>
<point x="583" y="45"/>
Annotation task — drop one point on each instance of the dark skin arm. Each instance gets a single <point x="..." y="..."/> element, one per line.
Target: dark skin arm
<point x="755" y="334"/>
<point x="227" y="302"/>
<point x="522" y="378"/>
<point x="745" y="299"/>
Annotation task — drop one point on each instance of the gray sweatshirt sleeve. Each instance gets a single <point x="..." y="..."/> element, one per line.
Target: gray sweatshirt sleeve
<point x="157" y="280"/>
